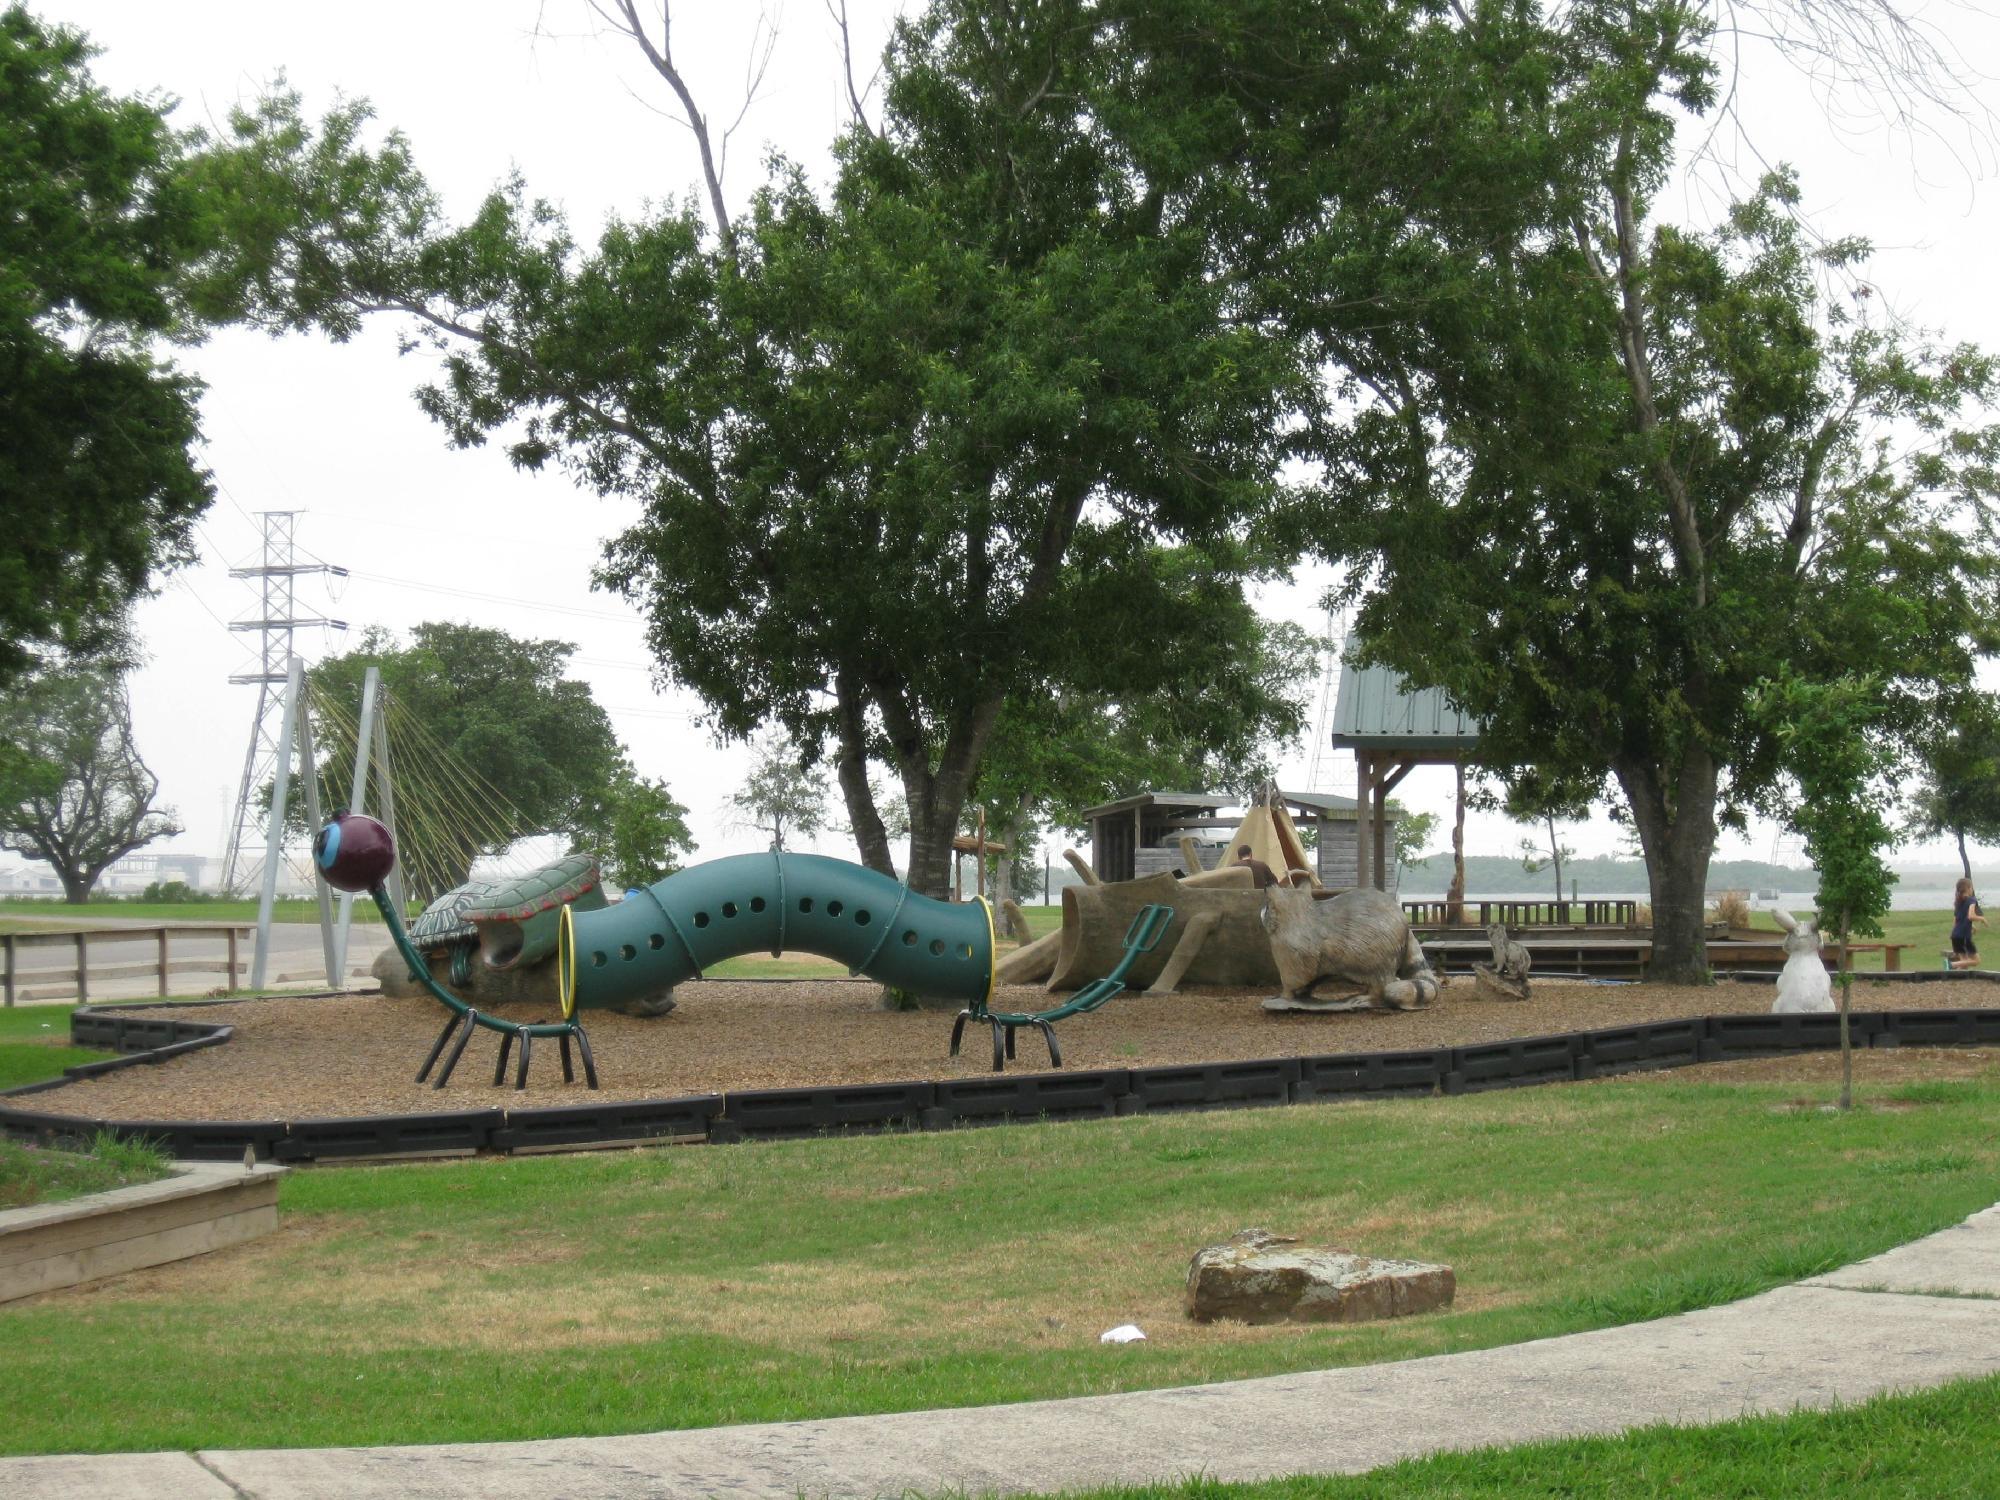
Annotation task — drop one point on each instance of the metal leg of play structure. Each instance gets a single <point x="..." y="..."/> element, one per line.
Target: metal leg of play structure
<point x="1049" y="1036"/>
<point x="562" y="1044"/>
<point x="450" y="1025"/>
<point x="506" y="1046"/>
<point x="521" y="1073"/>
<point x="466" y="1027"/>
<point x="589" y="1065"/>
<point x="958" y="1030"/>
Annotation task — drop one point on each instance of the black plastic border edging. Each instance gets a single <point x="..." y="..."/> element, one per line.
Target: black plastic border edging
<point x="984" y="1099"/>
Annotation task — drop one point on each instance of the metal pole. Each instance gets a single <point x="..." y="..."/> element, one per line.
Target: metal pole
<point x="385" y="778"/>
<point x="357" y="797"/>
<point x="274" y="836"/>
<point x="309" y="775"/>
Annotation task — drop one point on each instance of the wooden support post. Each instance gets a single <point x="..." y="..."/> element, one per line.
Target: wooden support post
<point x="231" y="987"/>
<point x="83" y="968"/>
<point x="163" y="963"/>
<point x="7" y="943"/>
<point x="1193" y="938"/>
<point x="1364" y="821"/>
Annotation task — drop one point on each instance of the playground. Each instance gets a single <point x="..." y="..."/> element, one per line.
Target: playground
<point x="293" y="1057"/>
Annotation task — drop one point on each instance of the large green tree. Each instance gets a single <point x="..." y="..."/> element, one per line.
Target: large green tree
<point x="1957" y="791"/>
<point x="903" y="450"/>
<point x="1605" y="472"/>
<point x="73" y="789"/>
<point x="1200" y="711"/>
<point x="98" y="240"/>
<point x="491" y="743"/>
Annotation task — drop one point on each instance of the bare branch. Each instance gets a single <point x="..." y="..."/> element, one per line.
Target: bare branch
<point x="623" y="16"/>
<point x="856" y="99"/>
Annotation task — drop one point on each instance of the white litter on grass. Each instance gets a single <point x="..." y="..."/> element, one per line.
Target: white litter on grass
<point x="1124" y="1333"/>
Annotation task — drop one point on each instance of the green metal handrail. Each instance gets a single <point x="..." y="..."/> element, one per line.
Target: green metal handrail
<point x="1141" y="937"/>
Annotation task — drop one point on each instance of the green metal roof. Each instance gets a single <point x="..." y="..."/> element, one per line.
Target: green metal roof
<point x="1375" y="710"/>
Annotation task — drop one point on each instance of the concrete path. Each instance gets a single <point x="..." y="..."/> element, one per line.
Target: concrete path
<point x="1916" y="1316"/>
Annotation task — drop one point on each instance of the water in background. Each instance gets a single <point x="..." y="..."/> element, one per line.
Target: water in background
<point x="1924" y="897"/>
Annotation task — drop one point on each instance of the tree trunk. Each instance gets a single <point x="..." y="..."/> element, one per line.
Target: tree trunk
<point x="1846" y="1042"/>
<point x="1964" y="859"/>
<point x="1677" y="836"/>
<point x="1009" y="833"/>
<point x="1556" y="857"/>
<point x="850" y="763"/>
<point x="1455" y="896"/>
<point x="76" y="887"/>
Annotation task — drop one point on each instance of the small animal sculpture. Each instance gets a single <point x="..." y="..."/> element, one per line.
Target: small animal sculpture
<point x="1803" y="985"/>
<point x="1358" y="940"/>
<point x="1510" y="959"/>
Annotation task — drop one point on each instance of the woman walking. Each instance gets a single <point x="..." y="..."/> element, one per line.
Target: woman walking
<point x="1964" y="912"/>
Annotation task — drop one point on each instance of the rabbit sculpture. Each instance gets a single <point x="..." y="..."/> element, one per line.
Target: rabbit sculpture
<point x="1803" y="985"/>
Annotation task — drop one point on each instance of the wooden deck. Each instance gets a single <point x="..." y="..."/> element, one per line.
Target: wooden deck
<point x="1613" y="956"/>
<point x="1483" y="912"/>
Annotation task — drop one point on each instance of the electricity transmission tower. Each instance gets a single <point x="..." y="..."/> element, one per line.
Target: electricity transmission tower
<point x="1327" y="773"/>
<point x="277" y="575"/>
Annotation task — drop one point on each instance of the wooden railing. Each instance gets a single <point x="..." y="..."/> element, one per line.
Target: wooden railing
<point x="1513" y="914"/>
<point x="80" y="940"/>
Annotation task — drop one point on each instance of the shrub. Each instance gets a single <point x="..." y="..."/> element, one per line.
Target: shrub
<point x="174" y="891"/>
<point x="1733" y="908"/>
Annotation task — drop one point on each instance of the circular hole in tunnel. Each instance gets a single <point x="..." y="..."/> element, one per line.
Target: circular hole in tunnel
<point x="965" y="950"/>
<point x="937" y="947"/>
<point x="628" y="953"/>
<point x="833" y="908"/>
<point x="729" y="908"/>
<point x="910" y="938"/>
<point x="657" y="941"/>
<point x="805" y="903"/>
<point x="701" y="919"/>
<point x="756" y="903"/>
<point x="598" y="960"/>
<point x="861" y="917"/>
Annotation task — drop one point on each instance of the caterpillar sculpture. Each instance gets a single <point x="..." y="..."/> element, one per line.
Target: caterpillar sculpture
<point x="694" y="918"/>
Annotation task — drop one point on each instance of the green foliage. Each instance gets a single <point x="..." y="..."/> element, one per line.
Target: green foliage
<point x="29" y="1174"/>
<point x="107" y="244"/>
<point x="1958" y="787"/>
<point x="1830" y="736"/>
<point x="499" y="745"/>
<point x="1606" y="473"/>
<point x="76" y="793"/>
<point x="635" y="826"/>
<point x="1409" y="833"/>
<point x="176" y="893"/>
<point x="904" y="452"/>
<point x="782" y="794"/>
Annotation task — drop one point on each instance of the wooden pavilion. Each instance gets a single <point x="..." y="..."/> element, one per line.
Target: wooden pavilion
<point x="1392" y="731"/>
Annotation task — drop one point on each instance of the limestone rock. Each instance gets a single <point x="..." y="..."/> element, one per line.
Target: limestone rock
<point x="1260" y="1277"/>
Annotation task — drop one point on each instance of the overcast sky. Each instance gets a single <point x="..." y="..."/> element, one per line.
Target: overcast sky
<point x="485" y="89"/>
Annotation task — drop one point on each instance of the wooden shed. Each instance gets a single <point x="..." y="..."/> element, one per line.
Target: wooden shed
<point x="1140" y="835"/>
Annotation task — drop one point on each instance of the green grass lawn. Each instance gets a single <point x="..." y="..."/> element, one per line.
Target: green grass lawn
<point x="45" y="915"/>
<point x="628" y="1291"/>
<point x="1920" y="1446"/>
<point x="1928" y="932"/>
<point x="34" y="1044"/>
<point x="30" y="1175"/>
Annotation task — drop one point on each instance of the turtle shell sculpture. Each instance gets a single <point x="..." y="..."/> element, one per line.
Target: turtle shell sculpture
<point x="495" y="940"/>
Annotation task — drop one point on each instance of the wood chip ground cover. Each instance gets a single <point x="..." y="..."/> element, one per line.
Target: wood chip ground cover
<point x="304" y="1058"/>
